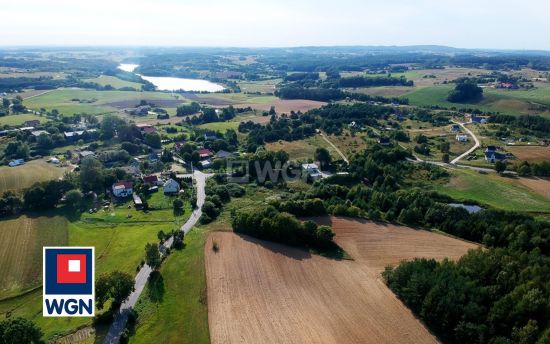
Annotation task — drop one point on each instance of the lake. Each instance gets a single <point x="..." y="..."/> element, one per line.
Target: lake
<point x="472" y="209"/>
<point x="173" y="84"/>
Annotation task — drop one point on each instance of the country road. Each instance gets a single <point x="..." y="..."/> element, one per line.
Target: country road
<point x="469" y="151"/>
<point x="335" y="148"/>
<point x="113" y="336"/>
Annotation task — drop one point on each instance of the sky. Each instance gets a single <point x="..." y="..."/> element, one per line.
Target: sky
<point x="490" y="24"/>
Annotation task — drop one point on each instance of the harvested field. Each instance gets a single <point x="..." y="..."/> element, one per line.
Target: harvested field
<point x="530" y="153"/>
<point x="380" y="244"/>
<point x="262" y="292"/>
<point x="287" y="105"/>
<point x="21" y="250"/>
<point x="538" y="185"/>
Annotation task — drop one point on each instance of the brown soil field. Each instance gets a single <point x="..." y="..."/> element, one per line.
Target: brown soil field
<point x="530" y="153"/>
<point x="286" y="105"/>
<point x="378" y="245"/>
<point x="260" y="292"/>
<point x="538" y="185"/>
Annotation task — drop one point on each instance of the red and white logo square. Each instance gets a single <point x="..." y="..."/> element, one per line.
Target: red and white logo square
<point x="71" y="268"/>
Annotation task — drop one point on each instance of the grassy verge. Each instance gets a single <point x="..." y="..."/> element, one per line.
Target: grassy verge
<point x="175" y="311"/>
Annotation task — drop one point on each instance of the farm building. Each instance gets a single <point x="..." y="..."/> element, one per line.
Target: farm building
<point x="123" y="189"/>
<point x="138" y="203"/>
<point x="171" y="186"/>
<point x="455" y="128"/>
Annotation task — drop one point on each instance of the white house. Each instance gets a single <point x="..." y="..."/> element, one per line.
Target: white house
<point x="462" y="138"/>
<point x="123" y="189"/>
<point x="312" y="170"/>
<point x="171" y="186"/>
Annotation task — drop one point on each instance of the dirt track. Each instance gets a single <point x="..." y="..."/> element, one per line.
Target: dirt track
<point x="261" y="292"/>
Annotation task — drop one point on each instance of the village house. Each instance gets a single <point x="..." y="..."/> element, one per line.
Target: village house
<point x="492" y="156"/>
<point x="123" y="189"/>
<point x="171" y="186"/>
<point x="85" y="153"/>
<point x="37" y="133"/>
<point x="462" y="138"/>
<point x="146" y="128"/>
<point x="312" y="170"/>
<point x="221" y="154"/>
<point x="152" y="179"/>
<point x="205" y="153"/>
<point x="31" y="123"/>
<point x="205" y="163"/>
<point x="139" y="111"/>
<point x="211" y="135"/>
<point x="455" y="128"/>
<point x="384" y="141"/>
<point x="478" y="119"/>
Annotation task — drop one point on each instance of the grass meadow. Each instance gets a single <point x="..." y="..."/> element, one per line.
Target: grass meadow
<point x="493" y="190"/>
<point x="21" y="177"/>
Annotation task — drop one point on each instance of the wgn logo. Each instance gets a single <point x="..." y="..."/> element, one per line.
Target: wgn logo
<point x="68" y="282"/>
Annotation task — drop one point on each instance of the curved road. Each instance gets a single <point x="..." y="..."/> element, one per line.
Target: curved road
<point x="113" y="336"/>
<point x="471" y="150"/>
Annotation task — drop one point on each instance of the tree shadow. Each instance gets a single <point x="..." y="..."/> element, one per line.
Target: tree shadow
<point x="156" y="288"/>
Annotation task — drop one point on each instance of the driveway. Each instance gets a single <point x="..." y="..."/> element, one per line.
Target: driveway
<point x="113" y="336"/>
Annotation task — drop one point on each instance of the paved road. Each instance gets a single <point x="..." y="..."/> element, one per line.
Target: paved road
<point x="113" y="336"/>
<point x="335" y="148"/>
<point x="471" y="150"/>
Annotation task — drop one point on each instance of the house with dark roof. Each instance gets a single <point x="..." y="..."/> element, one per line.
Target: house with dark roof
<point x="152" y="179"/>
<point x="493" y="157"/>
<point x="31" y="123"/>
<point x="384" y="141"/>
<point x="210" y="135"/>
<point x="221" y="154"/>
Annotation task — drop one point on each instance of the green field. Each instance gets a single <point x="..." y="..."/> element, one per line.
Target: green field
<point x="220" y="126"/>
<point x="180" y="313"/>
<point x="494" y="190"/>
<point x="496" y="100"/>
<point x="262" y="86"/>
<point x="20" y="119"/>
<point x="90" y="101"/>
<point x="21" y="177"/>
<point x="119" y="236"/>
<point x="105" y="80"/>
<point x="21" y="250"/>
<point x="302" y="149"/>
